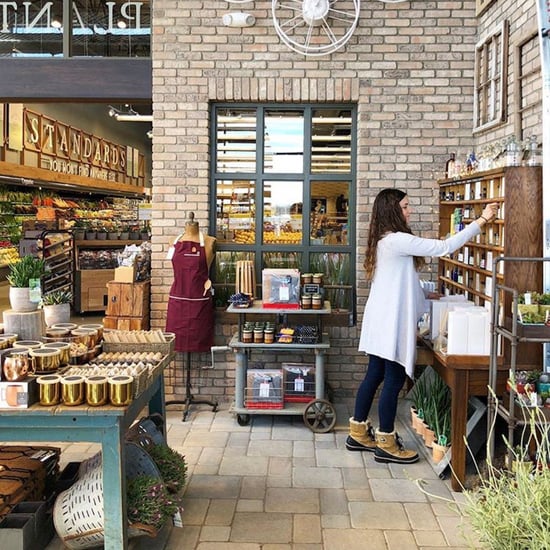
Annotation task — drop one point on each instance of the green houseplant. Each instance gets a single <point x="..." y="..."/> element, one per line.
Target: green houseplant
<point x="57" y="306"/>
<point x="171" y="465"/>
<point x="20" y="277"/>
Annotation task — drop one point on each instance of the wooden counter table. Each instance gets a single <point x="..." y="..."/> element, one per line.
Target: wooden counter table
<point x="467" y="376"/>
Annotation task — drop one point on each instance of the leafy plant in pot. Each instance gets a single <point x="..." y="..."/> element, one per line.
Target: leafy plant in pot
<point x="22" y="274"/>
<point x="149" y="503"/>
<point x="171" y="465"/>
<point x="57" y="306"/>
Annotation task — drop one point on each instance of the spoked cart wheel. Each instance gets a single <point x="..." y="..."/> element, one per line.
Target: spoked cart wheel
<point x="320" y="416"/>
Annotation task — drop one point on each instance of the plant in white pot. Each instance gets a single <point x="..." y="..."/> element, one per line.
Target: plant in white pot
<point x="57" y="306"/>
<point x="23" y="275"/>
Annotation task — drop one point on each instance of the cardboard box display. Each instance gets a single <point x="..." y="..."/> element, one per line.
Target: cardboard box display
<point x="125" y="274"/>
<point x="18" y="395"/>
<point x="264" y="388"/>
<point x="299" y="382"/>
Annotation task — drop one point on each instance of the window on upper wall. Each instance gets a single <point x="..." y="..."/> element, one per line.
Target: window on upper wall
<point x="490" y="79"/>
<point x="283" y="189"/>
<point x="528" y="117"/>
<point x="104" y="29"/>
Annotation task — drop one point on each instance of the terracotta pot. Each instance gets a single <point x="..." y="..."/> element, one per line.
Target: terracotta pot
<point x="438" y="452"/>
<point x="429" y="437"/>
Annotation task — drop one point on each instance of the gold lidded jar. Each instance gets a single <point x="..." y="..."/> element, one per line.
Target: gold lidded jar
<point x="316" y="301"/>
<point x="49" y="389"/>
<point x="120" y="390"/>
<point x="97" y="390"/>
<point x="318" y="278"/>
<point x="73" y="390"/>
<point x="247" y="336"/>
<point x="269" y="335"/>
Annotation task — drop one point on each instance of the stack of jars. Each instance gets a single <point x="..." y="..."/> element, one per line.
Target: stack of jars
<point x="258" y="333"/>
<point x="312" y="287"/>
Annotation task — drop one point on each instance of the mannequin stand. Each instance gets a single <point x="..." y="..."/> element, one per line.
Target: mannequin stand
<point x="189" y="397"/>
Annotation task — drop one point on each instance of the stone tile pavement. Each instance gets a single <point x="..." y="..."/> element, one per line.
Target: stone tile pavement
<point x="276" y="485"/>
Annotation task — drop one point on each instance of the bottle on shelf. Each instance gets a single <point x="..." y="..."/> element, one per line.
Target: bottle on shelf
<point x="450" y="166"/>
<point x="512" y="152"/>
<point x="534" y="155"/>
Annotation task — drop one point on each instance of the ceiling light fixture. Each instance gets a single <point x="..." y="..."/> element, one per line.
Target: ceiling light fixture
<point x="129" y="116"/>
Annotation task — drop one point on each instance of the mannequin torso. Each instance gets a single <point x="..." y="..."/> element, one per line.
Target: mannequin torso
<point x="192" y="234"/>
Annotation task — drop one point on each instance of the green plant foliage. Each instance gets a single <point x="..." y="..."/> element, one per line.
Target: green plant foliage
<point x="148" y="501"/>
<point x="27" y="268"/>
<point x="57" y="297"/>
<point x="171" y="465"/>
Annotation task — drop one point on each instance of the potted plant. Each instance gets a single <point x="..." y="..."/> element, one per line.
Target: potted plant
<point x="145" y="232"/>
<point x="79" y="229"/>
<point x="134" y="232"/>
<point x="419" y="396"/>
<point x="171" y="465"/>
<point x="149" y="503"/>
<point x="528" y="302"/>
<point x="24" y="279"/>
<point x="57" y="306"/>
<point x="101" y="231"/>
<point x="124" y="231"/>
<point x="90" y="231"/>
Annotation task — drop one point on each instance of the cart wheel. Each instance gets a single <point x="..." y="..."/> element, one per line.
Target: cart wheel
<point x="320" y="416"/>
<point x="243" y="419"/>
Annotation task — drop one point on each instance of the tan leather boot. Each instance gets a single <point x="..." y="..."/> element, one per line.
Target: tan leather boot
<point x="361" y="436"/>
<point x="389" y="448"/>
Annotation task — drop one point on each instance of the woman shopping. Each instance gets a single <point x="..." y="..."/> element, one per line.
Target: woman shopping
<point x="396" y="302"/>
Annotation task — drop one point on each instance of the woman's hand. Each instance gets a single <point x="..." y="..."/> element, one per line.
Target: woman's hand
<point x="489" y="214"/>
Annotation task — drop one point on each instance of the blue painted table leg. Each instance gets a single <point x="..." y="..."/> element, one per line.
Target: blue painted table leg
<point x="114" y="489"/>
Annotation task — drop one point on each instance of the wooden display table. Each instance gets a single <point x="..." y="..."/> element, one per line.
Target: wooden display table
<point x="106" y="425"/>
<point x="467" y="376"/>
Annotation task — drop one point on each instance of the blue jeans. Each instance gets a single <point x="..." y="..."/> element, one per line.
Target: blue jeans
<point x="393" y="375"/>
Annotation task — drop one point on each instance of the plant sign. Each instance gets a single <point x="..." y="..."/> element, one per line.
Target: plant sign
<point x="35" y="293"/>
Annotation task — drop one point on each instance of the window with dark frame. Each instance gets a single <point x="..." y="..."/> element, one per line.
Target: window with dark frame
<point x="283" y="193"/>
<point x="490" y="77"/>
<point x="528" y="116"/>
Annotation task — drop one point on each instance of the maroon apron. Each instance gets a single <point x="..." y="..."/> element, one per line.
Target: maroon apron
<point x="190" y="313"/>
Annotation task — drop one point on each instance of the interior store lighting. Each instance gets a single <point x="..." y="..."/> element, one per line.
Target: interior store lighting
<point x="129" y="115"/>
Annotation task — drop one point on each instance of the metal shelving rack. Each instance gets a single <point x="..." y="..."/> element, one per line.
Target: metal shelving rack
<point x="59" y="259"/>
<point x="503" y="328"/>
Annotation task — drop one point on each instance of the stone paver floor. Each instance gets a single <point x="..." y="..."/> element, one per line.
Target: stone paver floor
<point x="274" y="484"/>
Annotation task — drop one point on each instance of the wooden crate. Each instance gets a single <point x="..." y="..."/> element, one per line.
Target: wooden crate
<point x="126" y="323"/>
<point x="128" y="299"/>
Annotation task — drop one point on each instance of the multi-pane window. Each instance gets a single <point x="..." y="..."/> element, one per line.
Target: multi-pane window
<point x="116" y="28"/>
<point x="283" y="189"/>
<point x="529" y="88"/>
<point x="491" y="58"/>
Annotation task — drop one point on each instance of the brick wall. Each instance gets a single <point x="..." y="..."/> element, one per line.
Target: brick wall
<point x="408" y="67"/>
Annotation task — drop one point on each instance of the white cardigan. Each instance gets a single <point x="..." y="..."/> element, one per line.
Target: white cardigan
<point x="396" y="300"/>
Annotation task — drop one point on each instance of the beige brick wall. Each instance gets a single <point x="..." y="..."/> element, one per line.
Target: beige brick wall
<point x="408" y="67"/>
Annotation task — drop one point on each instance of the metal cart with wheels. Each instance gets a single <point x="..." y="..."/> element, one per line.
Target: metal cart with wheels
<point x="319" y="414"/>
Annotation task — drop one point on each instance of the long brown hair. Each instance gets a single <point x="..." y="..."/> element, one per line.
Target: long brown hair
<point x="387" y="217"/>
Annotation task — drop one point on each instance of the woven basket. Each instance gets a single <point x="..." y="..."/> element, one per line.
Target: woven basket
<point x="78" y="511"/>
<point x="164" y="347"/>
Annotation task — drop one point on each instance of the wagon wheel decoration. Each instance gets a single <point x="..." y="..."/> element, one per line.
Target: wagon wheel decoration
<point x="320" y="416"/>
<point x="315" y="27"/>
